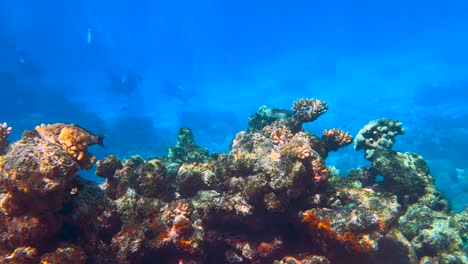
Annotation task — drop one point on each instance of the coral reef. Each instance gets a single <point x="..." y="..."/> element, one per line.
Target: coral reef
<point x="308" y="110"/>
<point x="5" y="130"/>
<point x="36" y="179"/>
<point x="270" y="199"/>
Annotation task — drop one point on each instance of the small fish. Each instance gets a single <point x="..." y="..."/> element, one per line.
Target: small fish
<point x="460" y="173"/>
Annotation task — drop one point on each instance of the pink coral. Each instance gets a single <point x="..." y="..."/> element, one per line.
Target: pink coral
<point x="4" y="132"/>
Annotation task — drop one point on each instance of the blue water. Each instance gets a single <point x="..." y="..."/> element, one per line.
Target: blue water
<point x="138" y="70"/>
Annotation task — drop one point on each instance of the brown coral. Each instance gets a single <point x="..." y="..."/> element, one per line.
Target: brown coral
<point x="4" y="132"/>
<point x="297" y="149"/>
<point x="279" y="135"/>
<point x="352" y="242"/>
<point x="334" y="139"/>
<point x="176" y="229"/>
<point x="66" y="253"/>
<point x="308" y="110"/>
<point x="36" y="174"/>
<point x="73" y="139"/>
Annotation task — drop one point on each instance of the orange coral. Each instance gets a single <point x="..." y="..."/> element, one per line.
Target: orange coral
<point x="354" y="242"/>
<point x="264" y="249"/>
<point x="74" y="139"/>
<point x="175" y="228"/>
<point x="319" y="170"/>
<point x="280" y="135"/>
<point x="296" y="149"/>
<point x="334" y="139"/>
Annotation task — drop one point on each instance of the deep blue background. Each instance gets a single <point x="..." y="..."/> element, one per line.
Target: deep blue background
<point x="210" y="64"/>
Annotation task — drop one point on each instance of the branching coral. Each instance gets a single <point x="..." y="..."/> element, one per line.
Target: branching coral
<point x="270" y="198"/>
<point x="4" y="132"/>
<point x="297" y="149"/>
<point x="335" y="139"/>
<point x="279" y="135"/>
<point x="308" y="110"/>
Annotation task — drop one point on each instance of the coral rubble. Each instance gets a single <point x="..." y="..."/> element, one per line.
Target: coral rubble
<point x="270" y="199"/>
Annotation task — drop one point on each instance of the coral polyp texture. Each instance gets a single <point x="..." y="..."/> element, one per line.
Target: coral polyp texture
<point x="270" y="199"/>
<point x="307" y="110"/>
<point x="378" y="134"/>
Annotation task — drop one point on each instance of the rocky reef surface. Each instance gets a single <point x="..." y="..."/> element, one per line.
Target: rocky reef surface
<point x="271" y="199"/>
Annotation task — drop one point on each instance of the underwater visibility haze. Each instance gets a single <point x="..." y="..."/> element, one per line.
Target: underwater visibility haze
<point x="233" y="131"/>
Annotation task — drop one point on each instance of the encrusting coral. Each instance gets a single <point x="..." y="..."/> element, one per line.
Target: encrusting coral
<point x="270" y="199"/>
<point x="36" y="176"/>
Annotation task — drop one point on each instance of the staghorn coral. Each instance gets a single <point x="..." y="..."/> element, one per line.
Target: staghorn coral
<point x="377" y="135"/>
<point x="308" y="110"/>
